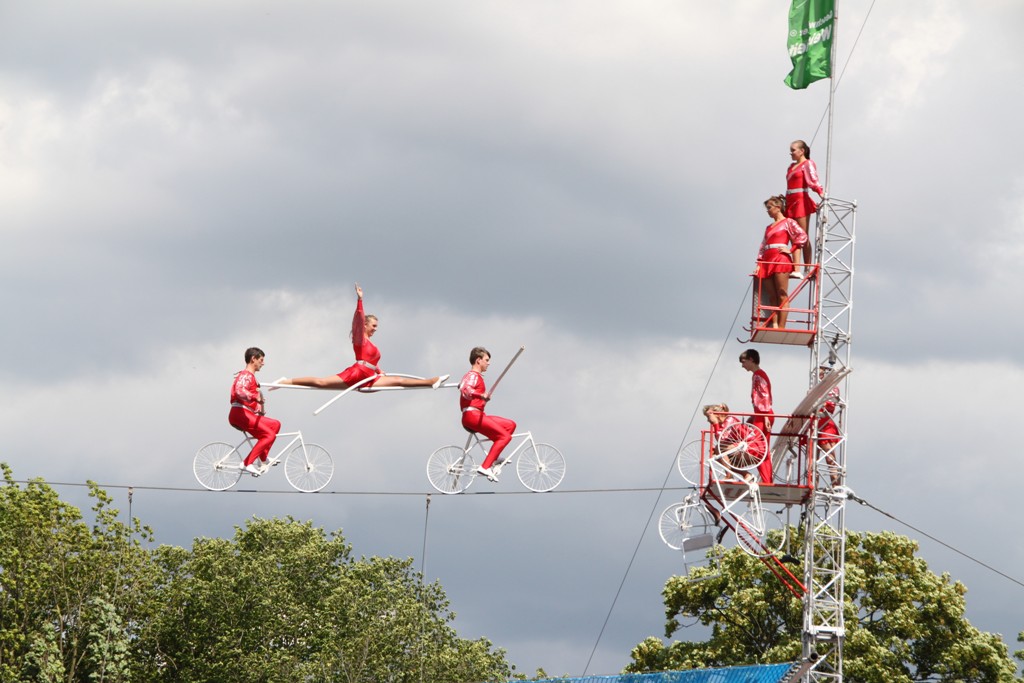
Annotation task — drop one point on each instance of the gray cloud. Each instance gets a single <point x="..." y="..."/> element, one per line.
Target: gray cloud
<point x="184" y="181"/>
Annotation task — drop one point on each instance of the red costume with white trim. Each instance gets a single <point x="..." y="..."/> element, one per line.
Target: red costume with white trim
<point x="828" y="431"/>
<point x="367" y="354"/>
<point x="247" y="415"/>
<point x="761" y="398"/>
<point x="800" y="179"/>
<point x="775" y="254"/>
<point x="498" y="429"/>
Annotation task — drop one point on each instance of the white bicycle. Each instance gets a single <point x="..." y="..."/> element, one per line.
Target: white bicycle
<point x="307" y="466"/>
<point x="540" y="466"/>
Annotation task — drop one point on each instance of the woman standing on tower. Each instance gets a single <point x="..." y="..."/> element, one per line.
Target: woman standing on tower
<point x="775" y="259"/>
<point x="801" y="178"/>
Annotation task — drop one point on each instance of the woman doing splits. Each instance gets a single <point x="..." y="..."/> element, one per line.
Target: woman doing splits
<point x="473" y="397"/>
<point x="775" y="259"/>
<point x="801" y="178"/>
<point x="367" y="356"/>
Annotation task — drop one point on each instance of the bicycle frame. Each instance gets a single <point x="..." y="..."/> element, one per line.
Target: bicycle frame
<point x="296" y="436"/>
<point x="474" y="440"/>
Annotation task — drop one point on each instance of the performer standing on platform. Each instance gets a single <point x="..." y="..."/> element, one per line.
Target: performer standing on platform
<point x="367" y="356"/>
<point x="801" y="178"/>
<point x="775" y="259"/>
<point x="473" y="397"/>
<point x="247" y="412"/>
<point x="828" y="430"/>
<point x="761" y="398"/>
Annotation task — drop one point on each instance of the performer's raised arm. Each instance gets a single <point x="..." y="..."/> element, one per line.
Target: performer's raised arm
<point x="358" y="319"/>
<point x="364" y="326"/>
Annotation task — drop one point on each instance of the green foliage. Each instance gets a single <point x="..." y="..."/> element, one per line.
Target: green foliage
<point x="280" y="602"/>
<point x="903" y="622"/>
<point x="56" y="575"/>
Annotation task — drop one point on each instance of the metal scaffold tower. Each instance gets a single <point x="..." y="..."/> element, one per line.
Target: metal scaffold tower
<point x="807" y="453"/>
<point x="825" y="513"/>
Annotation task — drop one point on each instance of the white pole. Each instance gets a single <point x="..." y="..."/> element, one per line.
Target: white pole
<point x="831" y="94"/>
<point x="354" y="386"/>
<point x="514" y="359"/>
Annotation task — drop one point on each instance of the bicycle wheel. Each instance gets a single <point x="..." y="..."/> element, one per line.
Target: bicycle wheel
<point x="218" y="466"/>
<point x="540" y="467"/>
<point x="761" y="540"/>
<point x="690" y="464"/>
<point x="450" y="469"/>
<point x="680" y="522"/>
<point x="308" y="467"/>
<point x="743" y="444"/>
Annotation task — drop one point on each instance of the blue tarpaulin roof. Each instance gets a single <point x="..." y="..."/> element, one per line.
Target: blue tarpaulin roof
<point x="762" y="673"/>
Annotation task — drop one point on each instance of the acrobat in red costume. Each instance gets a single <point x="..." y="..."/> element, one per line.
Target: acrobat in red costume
<point x="472" y="399"/>
<point x="761" y="398"/>
<point x="801" y="177"/>
<point x="828" y="431"/>
<point x="367" y="354"/>
<point x="740" y="431"/>
<point x="775" y="254"/>
<point x="828" y="434"/>
<point x="247" y="410"/>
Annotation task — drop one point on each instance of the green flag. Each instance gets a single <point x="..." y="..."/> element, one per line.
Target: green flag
<point x="810" y="41"/>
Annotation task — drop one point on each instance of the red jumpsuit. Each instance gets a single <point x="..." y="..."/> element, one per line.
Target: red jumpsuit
<point x="801" y="178"/>
<point x="774" y="256"/>
<point x="761" y="398"/>
<point x="367" y="355"/>
<point x="498" y="429"/>
<point x="245" y="415"/>
<point x="828" y="431"/>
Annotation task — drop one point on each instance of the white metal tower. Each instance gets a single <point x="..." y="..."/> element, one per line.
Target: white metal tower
<point x="825" y="513"/>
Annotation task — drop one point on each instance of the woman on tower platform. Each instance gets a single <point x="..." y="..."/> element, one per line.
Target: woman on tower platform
<point x="775" y="258"/>
<point x="801" y="178"/>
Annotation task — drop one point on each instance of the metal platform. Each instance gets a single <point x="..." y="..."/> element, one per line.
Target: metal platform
<point x="777" y="494"/>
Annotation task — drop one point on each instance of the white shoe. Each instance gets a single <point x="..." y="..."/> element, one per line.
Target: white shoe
<point x="441" y="380"/>
<point x="487" y="472"/>
<point x="276" y="381"/>
<point x="253" y="469"/>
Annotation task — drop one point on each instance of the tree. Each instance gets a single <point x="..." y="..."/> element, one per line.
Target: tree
<point x="903" y="622"/>
<point x="64" y="584"/>
<point x="282" y="601"/>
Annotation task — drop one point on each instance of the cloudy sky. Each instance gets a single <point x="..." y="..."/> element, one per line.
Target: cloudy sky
<point x="179" y="181"/>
